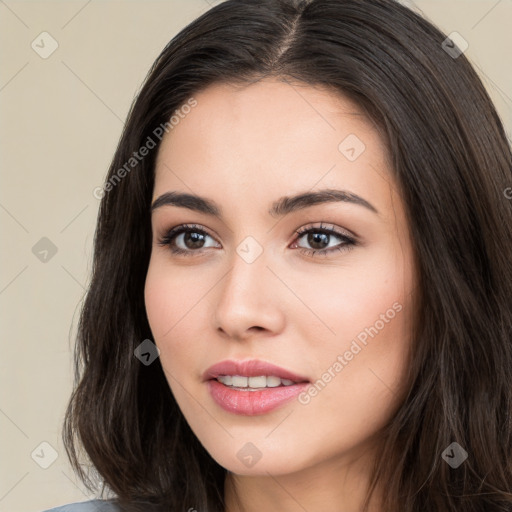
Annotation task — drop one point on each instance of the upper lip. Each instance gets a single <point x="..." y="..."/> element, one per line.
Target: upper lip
<point x="250" y="368"/>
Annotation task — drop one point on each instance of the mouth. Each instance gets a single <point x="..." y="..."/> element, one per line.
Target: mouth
<point x="245" y="383"/>
<point x="250" y="373"/>
<point x="252" y="387"/>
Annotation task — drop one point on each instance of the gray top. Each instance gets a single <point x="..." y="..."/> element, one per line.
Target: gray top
<point x="86" y="506"/>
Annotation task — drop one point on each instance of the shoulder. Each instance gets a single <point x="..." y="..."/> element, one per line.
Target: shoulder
<point x="87" y="506"/>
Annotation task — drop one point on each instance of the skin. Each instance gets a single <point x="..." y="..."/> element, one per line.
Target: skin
<point x="245" y="147"/>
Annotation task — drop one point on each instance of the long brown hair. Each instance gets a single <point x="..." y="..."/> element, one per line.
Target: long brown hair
<point x="453" y="164"/>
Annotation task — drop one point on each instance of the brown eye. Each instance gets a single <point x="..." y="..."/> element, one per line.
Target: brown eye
<point x="192" y="241"/>
<point x="319" y="238"/>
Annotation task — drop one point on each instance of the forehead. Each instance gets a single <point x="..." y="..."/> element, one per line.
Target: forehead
<point x="270" y="138"/>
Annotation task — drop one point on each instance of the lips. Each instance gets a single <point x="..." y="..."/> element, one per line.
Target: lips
<point x="251" y="368"/>
<point x="230" y="386"/>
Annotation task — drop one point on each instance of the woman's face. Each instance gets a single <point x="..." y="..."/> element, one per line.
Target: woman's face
<point x="245" y="286"/>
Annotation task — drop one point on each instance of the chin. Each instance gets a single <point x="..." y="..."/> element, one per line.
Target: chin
<point x="275" y="465"/>
<point x="261" y="456"/>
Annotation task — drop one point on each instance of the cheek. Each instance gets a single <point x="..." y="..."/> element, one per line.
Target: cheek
<point x="369" y="313"/>
<point x="347" y="300"/>
<point x="158" y="301"/>
<point x="169" y="296"/>
<point x="173" y="308"/>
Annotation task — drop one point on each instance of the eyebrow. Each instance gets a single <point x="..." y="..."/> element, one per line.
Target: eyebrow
<point x="281" y="207"/>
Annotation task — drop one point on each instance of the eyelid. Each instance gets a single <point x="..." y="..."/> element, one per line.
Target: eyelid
<point x="330" y="227"/>
<point x="347" y="239"/>
<point x="178" y="229"/>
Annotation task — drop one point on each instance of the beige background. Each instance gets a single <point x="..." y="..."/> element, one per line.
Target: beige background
<point x="61" y="118"/>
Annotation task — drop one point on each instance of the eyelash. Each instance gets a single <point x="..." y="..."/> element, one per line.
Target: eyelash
<point x="168" y="238"/>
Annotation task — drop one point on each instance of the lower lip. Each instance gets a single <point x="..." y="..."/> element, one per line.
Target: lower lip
<point x="251" y="403"/>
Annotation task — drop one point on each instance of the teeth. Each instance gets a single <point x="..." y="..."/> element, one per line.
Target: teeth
<point x="261" y="381"/>
<point x="273" y="381"/>
<point x="258" y="382"/>
<point x="239" y="382"/>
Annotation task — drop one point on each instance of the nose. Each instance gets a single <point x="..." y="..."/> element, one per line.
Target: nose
<point x="249" y="300"/>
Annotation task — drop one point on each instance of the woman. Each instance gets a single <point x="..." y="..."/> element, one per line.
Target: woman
<point x="301" y="294"/>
